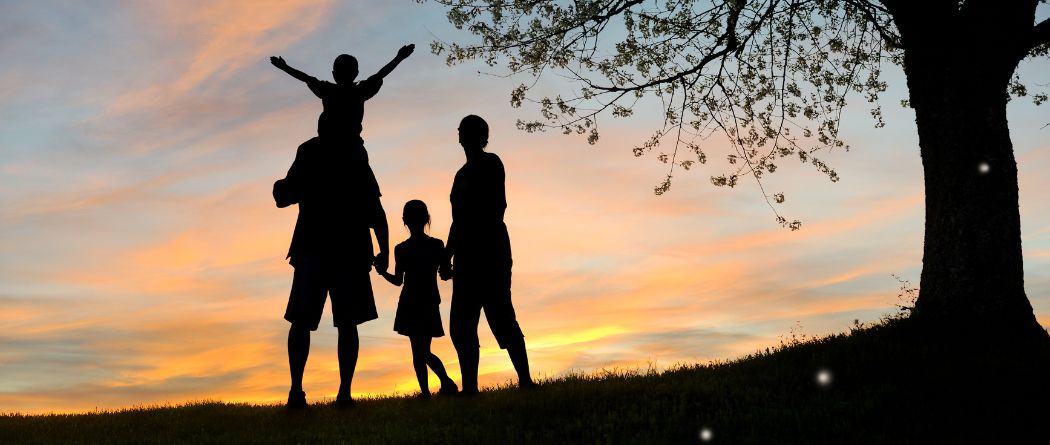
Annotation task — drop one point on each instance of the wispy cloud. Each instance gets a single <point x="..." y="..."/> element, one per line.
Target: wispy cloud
<point x="144" y="256"/>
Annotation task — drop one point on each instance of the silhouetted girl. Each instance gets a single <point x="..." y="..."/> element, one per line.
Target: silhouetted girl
<point x="417" y="261"/>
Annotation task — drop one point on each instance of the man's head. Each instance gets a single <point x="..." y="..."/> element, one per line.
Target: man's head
<point x="344" y="70"/>
<point x="473" y="133"/>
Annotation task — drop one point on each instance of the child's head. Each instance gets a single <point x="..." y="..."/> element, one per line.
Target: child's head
<point x="344" y="69"/>
<point x="416" y="215"/>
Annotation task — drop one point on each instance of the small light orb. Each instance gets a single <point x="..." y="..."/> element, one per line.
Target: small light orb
<point x="824" y="378"/>
<point x="705" y="434"/>
<point x="983" y="168"/>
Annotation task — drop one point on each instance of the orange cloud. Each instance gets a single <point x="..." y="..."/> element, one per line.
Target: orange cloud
<point x="226" y="36"/>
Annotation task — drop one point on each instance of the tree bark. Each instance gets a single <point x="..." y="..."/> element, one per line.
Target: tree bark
<point x="972" y="274"/>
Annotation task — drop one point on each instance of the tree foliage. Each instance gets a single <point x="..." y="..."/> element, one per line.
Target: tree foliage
<point x="752" y="82"/>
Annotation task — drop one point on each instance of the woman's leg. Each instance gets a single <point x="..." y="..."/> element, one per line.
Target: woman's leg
<point x="420" y="353"/>
<point x="435" y="365"/>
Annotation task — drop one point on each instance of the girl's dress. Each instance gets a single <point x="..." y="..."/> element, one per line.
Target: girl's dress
<point x="417" y="309"/>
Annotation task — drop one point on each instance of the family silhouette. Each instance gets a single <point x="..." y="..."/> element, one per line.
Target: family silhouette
<point x="332" y="251"/>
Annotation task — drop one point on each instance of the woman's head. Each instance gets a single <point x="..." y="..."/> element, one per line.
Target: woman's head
<point x="473" y="133"/>
<point x="416" y="215"/>
<point x="344" y="69"/>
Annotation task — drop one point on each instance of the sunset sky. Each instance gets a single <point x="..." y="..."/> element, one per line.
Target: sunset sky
<point x="143" y="255"/>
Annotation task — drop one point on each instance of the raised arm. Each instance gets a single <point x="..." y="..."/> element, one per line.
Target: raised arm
<point x="402" y="54"/>
<point x="279" y="62"/>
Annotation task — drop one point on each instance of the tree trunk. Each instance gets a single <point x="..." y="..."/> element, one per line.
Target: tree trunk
<point x="972" y="275"/>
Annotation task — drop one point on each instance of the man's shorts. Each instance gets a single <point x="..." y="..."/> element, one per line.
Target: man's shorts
<point x="349" y="287"/>
<point x="488" y="290"/>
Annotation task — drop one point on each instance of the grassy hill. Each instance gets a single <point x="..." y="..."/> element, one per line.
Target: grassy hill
<point x="889" y="383"/>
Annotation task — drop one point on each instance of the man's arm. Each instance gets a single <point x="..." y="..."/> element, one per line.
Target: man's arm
<point x="279" y="62"/>
<point x="382" y="261"/>
<point x="288" y="191"/>
<point x="446" y="270"/>
<point x="402" y="54"/>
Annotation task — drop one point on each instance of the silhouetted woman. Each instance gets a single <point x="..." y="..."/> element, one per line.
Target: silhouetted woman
<point x="479" y="245"/>
<point x="417" y="261"/>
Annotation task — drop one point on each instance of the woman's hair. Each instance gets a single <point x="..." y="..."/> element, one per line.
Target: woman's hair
<point x="416" y="213"/>
<point x="475" y="130"/>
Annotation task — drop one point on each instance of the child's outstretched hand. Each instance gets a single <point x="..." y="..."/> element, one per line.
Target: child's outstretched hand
<point x="406" y="51"/>
<point x="278" y="61"/>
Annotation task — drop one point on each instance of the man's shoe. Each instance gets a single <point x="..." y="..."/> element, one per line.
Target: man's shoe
<point x="296" y="400"/>
<point x="344" y="401"/>
<point x="527" y="384"/>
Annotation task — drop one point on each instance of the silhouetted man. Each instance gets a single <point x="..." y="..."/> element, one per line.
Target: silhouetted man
<point x="338" y="199"/>
<point x="479" y="244"/>
<point x="331" y="252"/>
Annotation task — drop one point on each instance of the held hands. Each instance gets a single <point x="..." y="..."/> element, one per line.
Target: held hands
<point x="382" y="262"/>
<point x="445" y="272"/>
<point x="406" y="51"/>
<point x="279" y="62"/>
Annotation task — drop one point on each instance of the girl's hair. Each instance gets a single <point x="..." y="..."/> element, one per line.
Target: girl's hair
<point x="416" y="212"/>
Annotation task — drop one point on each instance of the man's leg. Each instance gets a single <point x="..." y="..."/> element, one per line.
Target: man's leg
<point x="298" y="352"/>
<point x="305" y="303"/>
<point x="520" y="358"/>
<point x="352" y="304"/>
<point x="349" y="346"/>
<point x="463" y="328"/>
<point x="499" y="311"/>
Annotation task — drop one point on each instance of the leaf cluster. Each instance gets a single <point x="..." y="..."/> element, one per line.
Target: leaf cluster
<point x="753" y="82"/>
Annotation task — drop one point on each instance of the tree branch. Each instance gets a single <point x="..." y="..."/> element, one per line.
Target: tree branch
<point x="614" y="10"/>
<point x="1040" y="34"/>
<point x="731" y="45"/>
<point x="871" y="12"/>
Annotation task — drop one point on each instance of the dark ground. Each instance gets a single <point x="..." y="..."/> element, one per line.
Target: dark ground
<point x="893" y="382"/>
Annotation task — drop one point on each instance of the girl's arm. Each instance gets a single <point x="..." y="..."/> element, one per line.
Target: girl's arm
<point x="445" y="268"/>
<point x="395" y="278"/>
<point x="279" y="62"/>
<point x="402" y="54"/>
<point x="398" y="276"/>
